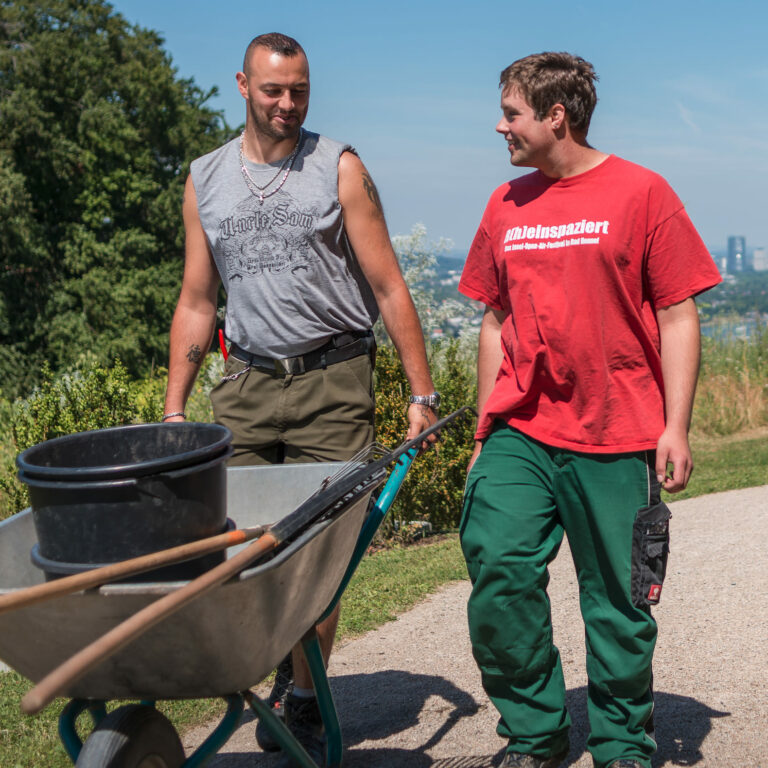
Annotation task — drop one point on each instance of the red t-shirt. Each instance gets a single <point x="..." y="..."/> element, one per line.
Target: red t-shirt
<point x="579" y="265"/>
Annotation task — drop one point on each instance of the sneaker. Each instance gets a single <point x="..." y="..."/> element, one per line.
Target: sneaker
<point x="626" y="764"/>
<point x="519" y="760"/>
<point x="302" y="716"/>
<point x="276" y="701"/>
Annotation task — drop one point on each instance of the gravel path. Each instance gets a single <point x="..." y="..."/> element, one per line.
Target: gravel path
<point x="409" y="694"/>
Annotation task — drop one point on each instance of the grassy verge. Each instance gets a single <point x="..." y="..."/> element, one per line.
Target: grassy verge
<point x="727" y="463"/>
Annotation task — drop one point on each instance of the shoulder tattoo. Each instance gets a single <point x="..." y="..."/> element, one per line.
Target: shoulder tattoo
<point x="372" y="192"/>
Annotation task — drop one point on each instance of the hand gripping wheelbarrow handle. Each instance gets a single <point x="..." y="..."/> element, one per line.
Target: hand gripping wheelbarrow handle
<point x="319" y="504"/>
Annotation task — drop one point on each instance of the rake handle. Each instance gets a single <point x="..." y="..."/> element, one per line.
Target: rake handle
<point x="116" y="571"/>
<point x="56" y="682"/>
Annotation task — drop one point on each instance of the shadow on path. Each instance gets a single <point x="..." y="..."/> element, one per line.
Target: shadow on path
<point x="682" y="724"/>
<point x="378" y="706"/>
<point x="383" y="705"/>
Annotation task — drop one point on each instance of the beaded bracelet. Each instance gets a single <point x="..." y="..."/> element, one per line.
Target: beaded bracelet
<point x="167" y="416"/>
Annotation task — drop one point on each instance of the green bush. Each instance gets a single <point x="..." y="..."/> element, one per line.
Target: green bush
<point x="95" y="397"/>
<point x="434" y="485"/>
<point x="92" y="398"/>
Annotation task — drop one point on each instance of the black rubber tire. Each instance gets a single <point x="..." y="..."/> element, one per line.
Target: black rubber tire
<point x="133" y="736"/>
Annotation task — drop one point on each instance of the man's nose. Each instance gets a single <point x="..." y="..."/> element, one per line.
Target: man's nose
<point x="286" y="101"/>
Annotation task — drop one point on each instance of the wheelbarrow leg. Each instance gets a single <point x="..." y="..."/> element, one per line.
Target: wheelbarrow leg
<point x="279" y="731"/>
<point x="68" y="718"/>
<point x="314" y="656"/>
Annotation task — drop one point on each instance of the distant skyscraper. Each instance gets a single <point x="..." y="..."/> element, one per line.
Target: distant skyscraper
<point x="760" y="260"/>
<point x="737" y="253"/>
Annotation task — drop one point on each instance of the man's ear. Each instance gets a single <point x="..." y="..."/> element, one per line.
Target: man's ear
<point x="242" y="84"/>
<point x="556" y="116"/>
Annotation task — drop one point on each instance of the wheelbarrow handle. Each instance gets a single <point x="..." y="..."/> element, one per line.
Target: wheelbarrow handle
<point x="372" y="523"/>
<point x="317" y="504"/>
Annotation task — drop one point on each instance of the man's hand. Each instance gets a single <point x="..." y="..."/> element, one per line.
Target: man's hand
<point x="421" y="417"/>
<point x="673" y="448"/>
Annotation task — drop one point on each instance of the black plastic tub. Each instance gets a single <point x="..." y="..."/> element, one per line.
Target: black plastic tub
<point x="82" y="518"/>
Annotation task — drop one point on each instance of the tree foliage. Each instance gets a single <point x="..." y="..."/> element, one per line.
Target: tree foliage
<point x="96" y="135"/>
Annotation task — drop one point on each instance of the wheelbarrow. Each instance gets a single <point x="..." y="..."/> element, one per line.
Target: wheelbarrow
<point x="222" y="643"/>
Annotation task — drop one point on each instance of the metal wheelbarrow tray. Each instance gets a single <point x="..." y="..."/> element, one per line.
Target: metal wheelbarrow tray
<point x="226" y="641"/>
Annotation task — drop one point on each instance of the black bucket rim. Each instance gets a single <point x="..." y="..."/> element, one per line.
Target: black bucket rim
<point x="60" y="568"/>
<point x="142" y="482"/>
<point x="131" y="470"/>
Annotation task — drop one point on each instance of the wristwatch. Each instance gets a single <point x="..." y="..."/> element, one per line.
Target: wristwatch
<point x="432" y="401"/>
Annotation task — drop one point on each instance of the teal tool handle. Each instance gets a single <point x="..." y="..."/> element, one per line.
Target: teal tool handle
<point x="373" y="521"/>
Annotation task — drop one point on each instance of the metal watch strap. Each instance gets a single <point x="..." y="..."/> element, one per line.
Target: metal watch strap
<point x="431" y="401"/>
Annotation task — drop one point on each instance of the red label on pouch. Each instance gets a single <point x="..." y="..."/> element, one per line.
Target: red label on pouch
<point x="654" y="593"/>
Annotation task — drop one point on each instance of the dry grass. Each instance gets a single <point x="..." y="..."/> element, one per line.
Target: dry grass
<point x="732" y="402"/>
<point x="733" y="385"/>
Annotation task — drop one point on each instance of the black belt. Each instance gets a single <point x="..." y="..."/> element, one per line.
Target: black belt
<point x="343" y="346"/>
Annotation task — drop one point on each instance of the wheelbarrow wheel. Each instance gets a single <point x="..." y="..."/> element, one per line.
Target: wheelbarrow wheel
<point x="133" y="736"/>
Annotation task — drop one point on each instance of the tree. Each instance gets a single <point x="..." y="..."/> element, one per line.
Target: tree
<point x="96" y="135"/>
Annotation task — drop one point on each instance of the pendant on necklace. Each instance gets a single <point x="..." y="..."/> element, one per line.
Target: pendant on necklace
<point x="261" y="198"/>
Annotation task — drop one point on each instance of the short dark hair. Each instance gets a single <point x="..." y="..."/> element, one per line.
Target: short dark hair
<point x="275" y="42"/>
<point x="549" y="78"/>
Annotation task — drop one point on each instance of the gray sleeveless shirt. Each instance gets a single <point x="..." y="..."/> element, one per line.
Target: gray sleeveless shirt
<point x="291" y="277"/>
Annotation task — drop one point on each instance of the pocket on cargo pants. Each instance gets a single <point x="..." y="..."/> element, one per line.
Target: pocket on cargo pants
<point x="650" y="550"/>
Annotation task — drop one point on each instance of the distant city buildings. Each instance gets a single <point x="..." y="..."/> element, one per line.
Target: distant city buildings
<point x="721" y="262"/>
<point x="737" y="259"/>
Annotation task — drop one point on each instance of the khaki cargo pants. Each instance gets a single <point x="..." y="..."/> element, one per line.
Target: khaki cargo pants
<point x="320" y="415"/>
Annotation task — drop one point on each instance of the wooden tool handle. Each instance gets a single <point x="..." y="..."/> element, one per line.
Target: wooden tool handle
<point x="116" y="571"/>
<point x="78" y="665"/>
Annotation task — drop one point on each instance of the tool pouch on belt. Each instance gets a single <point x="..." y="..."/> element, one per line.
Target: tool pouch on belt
<point x="650" y="549"/>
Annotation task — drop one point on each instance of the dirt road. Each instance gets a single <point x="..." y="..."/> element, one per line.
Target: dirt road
<point x="409" y="694"/>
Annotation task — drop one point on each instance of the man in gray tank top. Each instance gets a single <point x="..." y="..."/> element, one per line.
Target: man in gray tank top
<point x="292" y="224"/>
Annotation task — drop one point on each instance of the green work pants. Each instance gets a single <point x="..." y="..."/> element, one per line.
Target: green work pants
<point x="521" y="496"/>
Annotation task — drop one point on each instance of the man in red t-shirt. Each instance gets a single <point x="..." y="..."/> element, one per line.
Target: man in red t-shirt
<point x="587" y="366"/>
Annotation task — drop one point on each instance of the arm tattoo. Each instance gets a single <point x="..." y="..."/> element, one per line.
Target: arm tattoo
<point x="372" y="192"/>
<point x="195" y="354"/>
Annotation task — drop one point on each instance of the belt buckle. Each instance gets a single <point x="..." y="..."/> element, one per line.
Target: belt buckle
<point x="290" y="365"/>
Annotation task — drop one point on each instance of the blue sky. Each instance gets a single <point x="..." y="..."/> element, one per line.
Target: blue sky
<point x="413" y="86"/>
